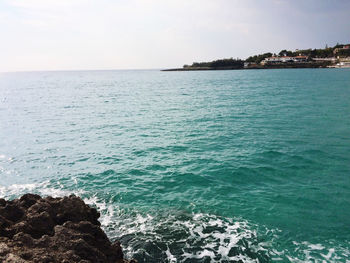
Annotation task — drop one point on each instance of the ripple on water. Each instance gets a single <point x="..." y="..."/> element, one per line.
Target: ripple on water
<point x="269" y="146"/>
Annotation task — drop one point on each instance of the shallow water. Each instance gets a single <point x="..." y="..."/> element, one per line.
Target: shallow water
<point x="190" y="166"/>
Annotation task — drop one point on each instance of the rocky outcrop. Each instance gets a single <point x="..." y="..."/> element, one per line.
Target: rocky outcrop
<point x="62" y="230"/>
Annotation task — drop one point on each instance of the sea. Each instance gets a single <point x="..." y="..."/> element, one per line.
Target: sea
<point x="201" y="166"/>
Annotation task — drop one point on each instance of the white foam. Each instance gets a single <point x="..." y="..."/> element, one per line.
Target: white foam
<point x="202" y="235"/>
<point x="170" y="256"/>
<point x="16" y="189"/>
<point x="318" y="253"/>
<point x="316" y="247"/>
<point x="201" y="243"/>
<point x="197" y="244"/>
<point x="44" y="189"/>
<point x="329" y="255"/>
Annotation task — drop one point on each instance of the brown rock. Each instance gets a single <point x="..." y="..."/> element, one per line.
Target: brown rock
<point x="53" y="230"/>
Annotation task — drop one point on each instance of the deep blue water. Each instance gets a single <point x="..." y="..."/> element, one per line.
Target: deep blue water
<point x="212" y="166"/>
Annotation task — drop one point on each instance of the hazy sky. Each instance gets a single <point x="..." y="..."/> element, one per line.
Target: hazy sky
<point x="123" y="34"/>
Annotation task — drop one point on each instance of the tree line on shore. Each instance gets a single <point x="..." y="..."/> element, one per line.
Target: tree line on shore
<point x="237" y="63"/>
<point x="217" y="64"/>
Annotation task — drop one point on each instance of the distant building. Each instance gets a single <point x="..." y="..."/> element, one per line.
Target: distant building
<point x="336" y="50"/>
<point x="300" y="58"/>
<point x="250" y="64"/>
<point x="285" y="59"/>
<point x="333" y="59"/>
<point x="343" y="64"/>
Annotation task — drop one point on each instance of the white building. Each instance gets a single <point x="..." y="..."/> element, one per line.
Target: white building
<point x="325" y="59"/>
<point x="285" y="59"/>
<point x="343" y="64"/>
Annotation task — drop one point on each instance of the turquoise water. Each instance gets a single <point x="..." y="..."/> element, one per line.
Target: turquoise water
<point x="215" y="166"/>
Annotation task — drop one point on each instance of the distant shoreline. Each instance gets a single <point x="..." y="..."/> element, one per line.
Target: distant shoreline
<point x="329" y="57"/>
<point x="276" y="66"/>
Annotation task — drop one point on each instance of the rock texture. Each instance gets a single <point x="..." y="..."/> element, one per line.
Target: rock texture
<point x="45" y="230"/>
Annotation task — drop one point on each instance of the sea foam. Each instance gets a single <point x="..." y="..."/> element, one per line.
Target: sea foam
<point x="180" y="236"/>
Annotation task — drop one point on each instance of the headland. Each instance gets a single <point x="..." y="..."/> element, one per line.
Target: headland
<point x="329" y="57"/>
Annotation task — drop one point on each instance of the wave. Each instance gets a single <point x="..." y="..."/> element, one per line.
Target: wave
<point x="180" y="236"/>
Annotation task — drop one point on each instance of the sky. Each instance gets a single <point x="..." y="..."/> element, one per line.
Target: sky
<point x="142" y="34"/>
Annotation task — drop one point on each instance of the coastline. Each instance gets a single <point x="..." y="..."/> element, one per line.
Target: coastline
<point x="272" y="66"/>
<point x="337" y="56"/>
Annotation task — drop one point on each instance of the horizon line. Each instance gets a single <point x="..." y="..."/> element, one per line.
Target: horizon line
<point x="72" y="70"/>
